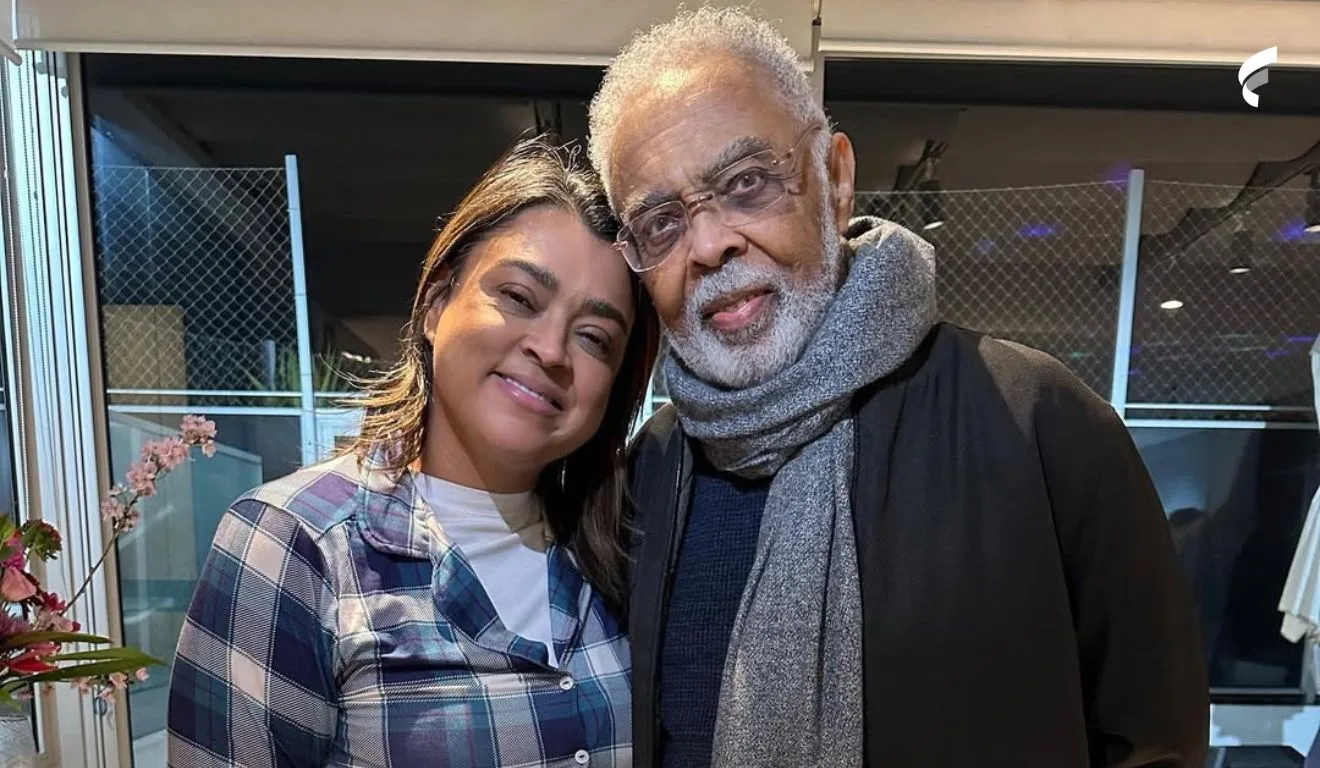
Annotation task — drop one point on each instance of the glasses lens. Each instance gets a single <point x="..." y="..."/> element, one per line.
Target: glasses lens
<point x="654" y="233"/>
<point x="752" y="187"/>
<point x="630" y="255"/>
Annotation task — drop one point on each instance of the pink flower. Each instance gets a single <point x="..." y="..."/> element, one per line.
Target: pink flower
<point x="170" y="453"/>
<point x="52" y="620"/>
<point x="130" y="520"/>
<point x="119" y="680"/>
<point x="112" y="511"/>
<point x="142" y="675"/>
<point x="16" y="559"/>
<point x="82" y="684"/>
<point x="107" y="695"/>
<point x="142" y="479"/>
<point x="148" y="459"/>
<point x="16" y="586"/>
<point x="197" y="430"/>
<point x="165" y="454"/>
<point x="52" y="602"/>
<point x="12" y="625"/>
<point x="121" y="517"/>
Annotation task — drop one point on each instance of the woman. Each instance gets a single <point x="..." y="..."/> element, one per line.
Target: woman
<point x="444" y="593"/>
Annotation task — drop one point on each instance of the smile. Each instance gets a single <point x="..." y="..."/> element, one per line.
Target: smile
<point x="739" y="311"/>
<point x="528" y="397"/>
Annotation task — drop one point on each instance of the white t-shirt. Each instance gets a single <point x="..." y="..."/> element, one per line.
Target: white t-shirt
<point x="503" y="537"/>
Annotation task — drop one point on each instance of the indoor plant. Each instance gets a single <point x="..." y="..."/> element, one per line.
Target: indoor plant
<point x="34" y="628"/>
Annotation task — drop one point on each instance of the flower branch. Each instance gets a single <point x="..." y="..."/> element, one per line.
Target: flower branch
<point x="34" y="626"/>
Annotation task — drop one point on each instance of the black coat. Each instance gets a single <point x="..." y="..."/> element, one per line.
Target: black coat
<point x="1023" y="606"/>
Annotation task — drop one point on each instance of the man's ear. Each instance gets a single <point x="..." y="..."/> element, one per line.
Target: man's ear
<point x="843" y="179"/>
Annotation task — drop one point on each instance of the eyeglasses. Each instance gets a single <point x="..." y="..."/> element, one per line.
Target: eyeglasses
<point x="745" y="191"/>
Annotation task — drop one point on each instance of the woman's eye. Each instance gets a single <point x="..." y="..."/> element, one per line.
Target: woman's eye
<point x="598" y="341"/>
<point x="517" y="297"/>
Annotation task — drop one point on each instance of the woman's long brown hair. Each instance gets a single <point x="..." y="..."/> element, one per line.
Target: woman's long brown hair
<point x="582" y="494"/>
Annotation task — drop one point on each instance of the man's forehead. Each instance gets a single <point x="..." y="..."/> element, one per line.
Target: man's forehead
<point x="713" y="90"/>
<point x="664" y="174"/>
<point x="682" y="143"/>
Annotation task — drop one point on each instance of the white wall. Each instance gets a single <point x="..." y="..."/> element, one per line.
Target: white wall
<point x="590" y="31"/>
<point x="1184" y="31"/>
<point x="538" y="31"/>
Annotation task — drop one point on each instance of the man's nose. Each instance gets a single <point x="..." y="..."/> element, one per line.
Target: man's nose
<point x="712" y="241"/>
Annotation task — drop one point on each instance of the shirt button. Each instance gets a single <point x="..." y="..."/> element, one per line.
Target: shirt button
<point x="566" y="683"/>
<point x="582" y="757"/>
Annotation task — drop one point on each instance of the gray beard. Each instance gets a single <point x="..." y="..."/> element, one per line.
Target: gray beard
<point x="778" y="338"/>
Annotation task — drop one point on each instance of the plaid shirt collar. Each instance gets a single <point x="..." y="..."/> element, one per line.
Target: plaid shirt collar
<point x="396" y="520"/>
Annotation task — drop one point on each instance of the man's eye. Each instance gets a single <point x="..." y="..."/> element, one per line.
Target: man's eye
<point x="659" y="226"/>
<point x="748" y="181"/>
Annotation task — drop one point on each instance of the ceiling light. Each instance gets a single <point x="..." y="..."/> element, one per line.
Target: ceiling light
<point x="1171" y="305"/>
<point x="1240" y="248"/>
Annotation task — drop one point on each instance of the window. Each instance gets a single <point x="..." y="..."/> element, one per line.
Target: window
<point x="1236" y="500"/>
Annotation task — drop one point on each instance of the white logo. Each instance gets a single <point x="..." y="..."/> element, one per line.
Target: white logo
<point x="1255" y="72"/>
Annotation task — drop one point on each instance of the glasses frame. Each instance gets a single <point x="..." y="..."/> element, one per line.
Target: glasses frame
<point x="624" y="242"/>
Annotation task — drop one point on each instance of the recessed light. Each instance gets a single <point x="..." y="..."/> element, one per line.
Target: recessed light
<point x="1171" y="304"/>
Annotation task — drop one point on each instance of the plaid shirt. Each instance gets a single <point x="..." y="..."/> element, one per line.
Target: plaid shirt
<point x="335" y="624"/>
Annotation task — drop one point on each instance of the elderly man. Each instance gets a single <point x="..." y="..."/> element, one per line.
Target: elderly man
<point x="865" y="537"/>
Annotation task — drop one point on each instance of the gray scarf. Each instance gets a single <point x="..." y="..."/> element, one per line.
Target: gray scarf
<point x="791" y="693"/>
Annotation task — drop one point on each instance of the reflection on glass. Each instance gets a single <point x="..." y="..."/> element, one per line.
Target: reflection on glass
<point x="159" y="561"/>
<point x="1236" y="500"/>
<point x="8" y="482"/>
<point x="659" y="389"/>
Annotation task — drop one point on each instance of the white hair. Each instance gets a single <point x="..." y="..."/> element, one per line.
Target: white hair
<point x="803" y="302"/>
<point x="692" y="36"/>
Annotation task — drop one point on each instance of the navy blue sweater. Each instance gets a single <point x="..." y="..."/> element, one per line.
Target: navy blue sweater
<point x="719" y="545"/>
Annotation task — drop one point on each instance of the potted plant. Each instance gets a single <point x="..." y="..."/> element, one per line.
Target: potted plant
<point x="38" y="642"/>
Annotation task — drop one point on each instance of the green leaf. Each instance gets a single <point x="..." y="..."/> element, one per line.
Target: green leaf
<point x="41" y="539"/>
<point x="110" y="654"/>
<point x="23" y="639"/>
<point x="90" y="669"/>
